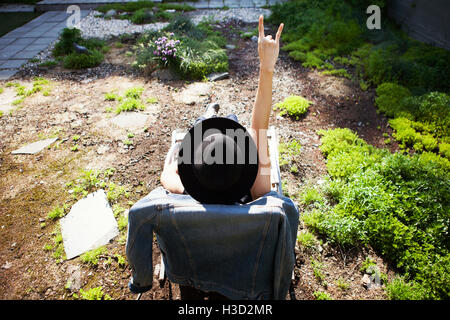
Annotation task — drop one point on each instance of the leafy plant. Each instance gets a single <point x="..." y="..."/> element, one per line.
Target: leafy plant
<point x="294" y="106"/>
<point x="81" y="60"/>
<point x="93" y="294"/>
<point x="397" y="203"/>
<point x="307" y="240"/>
<point x="342" y="284"/>
<point x="64" y="48"/>
<point x="134" y="93"/>
<point x="56" y="213"/>
<point x="199" y="49"/>
<point x="400" y="289"/>
<point x="130" y="104"/>
<point x="325" y="33"/>
<point x="320" y="295"/>
<point x="91" y="257"/>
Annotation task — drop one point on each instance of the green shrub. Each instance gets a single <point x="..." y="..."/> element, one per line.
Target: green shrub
<point x="71" y="59"/>
<point x="310" y="195"/>
<point x="322" y="30"/>
<point x="141" y="16"/>
<point x="65" y="45"/>
<point x="200" y="50"/>
<point x="389" y="97"/>
<point x="400" y="289"/>
<point x="294" y="106"/>
<point x="82" y="61"/>
<point x="397" y="203"/>
<point x="444" y="149"/>
<point x="337" y="72"/>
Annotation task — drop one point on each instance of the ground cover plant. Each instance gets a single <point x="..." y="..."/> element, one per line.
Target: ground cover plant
<point x="71" y="59"/>
<point x="39" y="85"/>
<point x="130" y="101"/>
<point x="192" y="51"/>
<point x="419" y="122"/>
<point x="331" y="35"/>
<point x="294" y="106"/>
<point x="398" y="204"/>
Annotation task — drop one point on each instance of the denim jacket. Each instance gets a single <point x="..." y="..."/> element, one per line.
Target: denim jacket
<point x="243" y="251"/>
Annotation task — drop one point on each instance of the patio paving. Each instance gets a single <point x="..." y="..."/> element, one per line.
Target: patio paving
<point x="25" y="42"/>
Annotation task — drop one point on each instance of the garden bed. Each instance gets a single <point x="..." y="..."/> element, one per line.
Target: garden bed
<point x="77" y="111"/>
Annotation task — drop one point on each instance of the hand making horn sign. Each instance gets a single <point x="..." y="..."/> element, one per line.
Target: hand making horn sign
<point x="268" y="48"/>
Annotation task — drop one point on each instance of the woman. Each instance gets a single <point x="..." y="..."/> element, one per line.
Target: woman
<point x="268" y="50"/>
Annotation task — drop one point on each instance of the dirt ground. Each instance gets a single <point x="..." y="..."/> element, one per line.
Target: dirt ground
<point x="31" y="185"/>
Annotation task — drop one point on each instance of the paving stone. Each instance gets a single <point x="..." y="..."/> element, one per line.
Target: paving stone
<point x="47" y="26"/>
<point x="215" y="4"/>
<point x="193" y="93"/>
<point x="25" y="41"/>
<point x="130" y="120"/>
<point x="16" y="8"/>
<point x="7" y="40"/>
<point x="44" y="40"/>
<point x="7" y="97"/>
<point x="34" y="147"/>
<point x="6" y="74"/>
<point x="13" y="64"/>
<point x="26" y="54"/>
<point x="90" y="224"/>
<point x="39" y="47"/>
<point x="232" y="3"/>
<point x="5" y="54"/>
<point x="11" y="50"/>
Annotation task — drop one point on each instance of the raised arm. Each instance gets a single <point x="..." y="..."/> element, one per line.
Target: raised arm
<point x="268" y="49"/>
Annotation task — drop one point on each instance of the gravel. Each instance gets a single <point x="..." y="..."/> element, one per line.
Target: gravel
<point x="247" y="15"/>
<point x="94" y="26"/>
<point x="97" y="27"/>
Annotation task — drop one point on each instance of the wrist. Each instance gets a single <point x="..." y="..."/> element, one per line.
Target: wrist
<point x="266" y="70"/>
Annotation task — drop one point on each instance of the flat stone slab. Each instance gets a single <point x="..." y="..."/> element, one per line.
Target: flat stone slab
<point x="6" y="99"/>
<point x="130" y="120"/>
<point x="6" y="74"/>
<point x="90" y="224"/>
<point x="193" y="93"/>
<point x="34" y="147"/>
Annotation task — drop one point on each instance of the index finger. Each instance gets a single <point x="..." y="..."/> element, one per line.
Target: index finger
<point x="261" y="26"/>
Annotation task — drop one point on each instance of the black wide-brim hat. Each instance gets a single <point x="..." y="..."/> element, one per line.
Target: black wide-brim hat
<point x="218" y="161"/>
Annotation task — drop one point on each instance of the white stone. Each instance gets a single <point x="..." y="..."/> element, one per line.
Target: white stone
<point x="90" y="224"/>
<point x="193" y="93"/>
<point x="34" y="147"/>
<point x="130" y="120"/>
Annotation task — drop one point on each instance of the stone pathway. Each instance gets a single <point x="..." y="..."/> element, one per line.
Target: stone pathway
<point x="25" y="42"/>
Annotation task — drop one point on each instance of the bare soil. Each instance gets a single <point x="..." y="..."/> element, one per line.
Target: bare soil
<point x="31" y="185"/>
